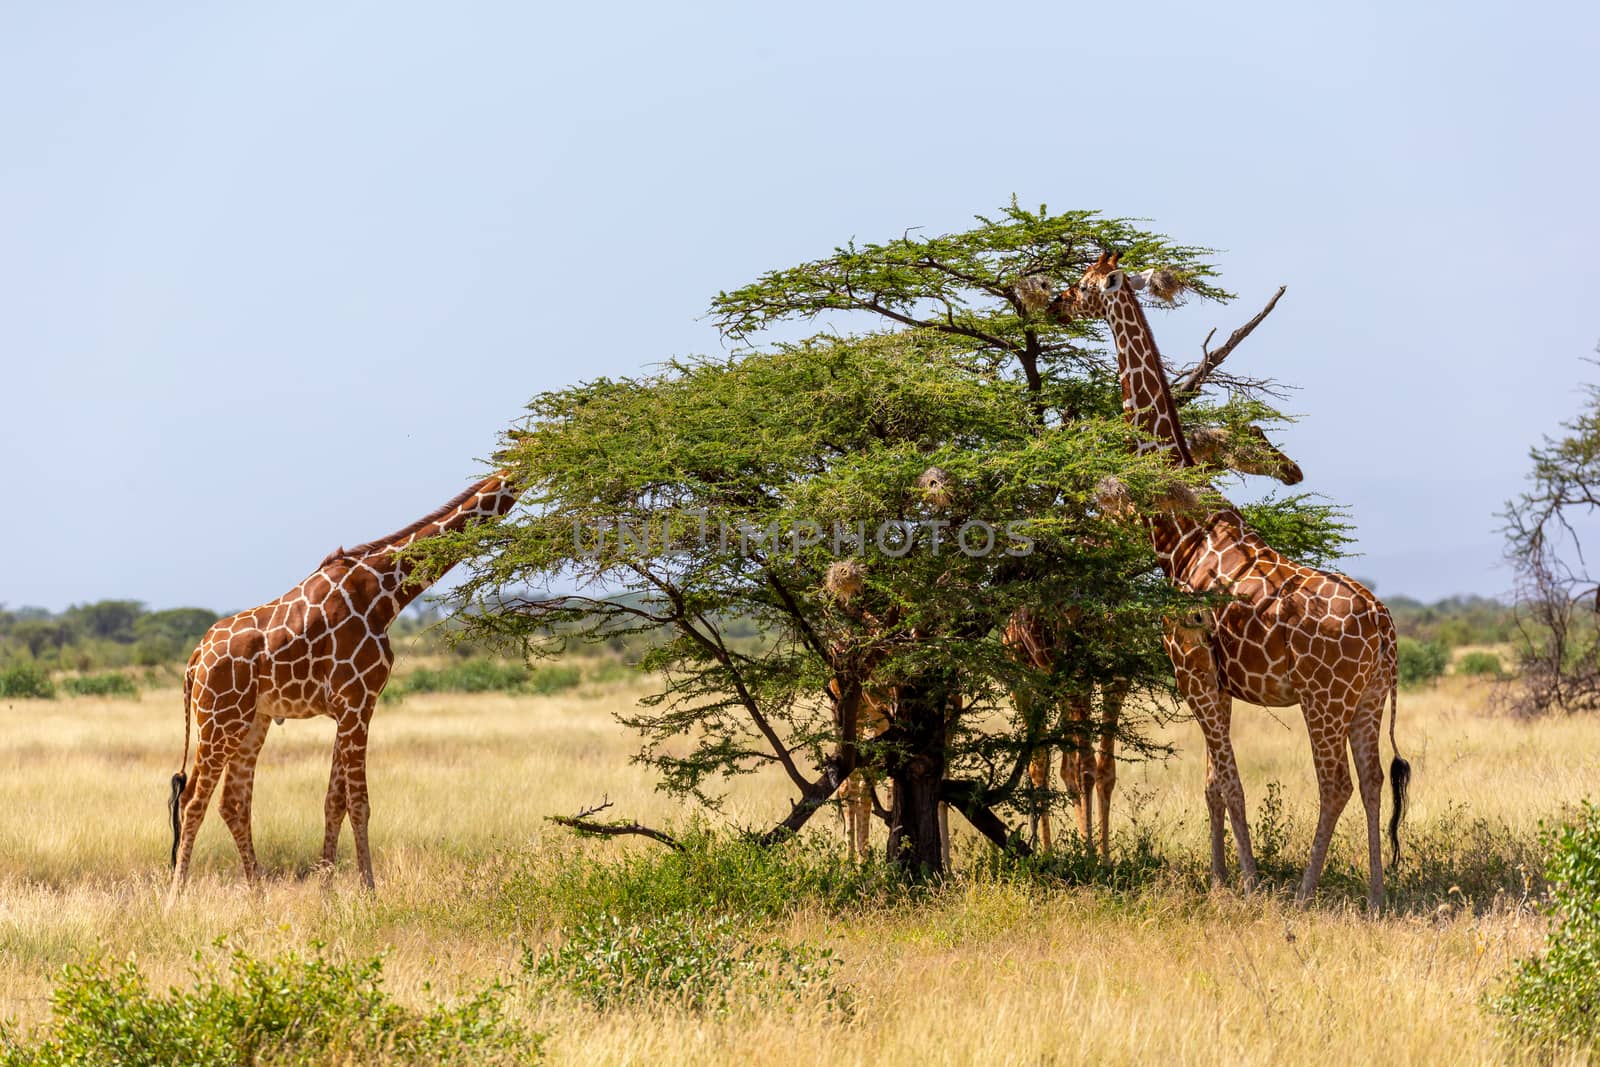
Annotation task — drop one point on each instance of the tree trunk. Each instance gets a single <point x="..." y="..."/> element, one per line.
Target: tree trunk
<point x="915" y="766"/>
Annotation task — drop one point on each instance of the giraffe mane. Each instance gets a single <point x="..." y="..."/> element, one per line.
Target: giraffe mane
<point x="367" y="548"/>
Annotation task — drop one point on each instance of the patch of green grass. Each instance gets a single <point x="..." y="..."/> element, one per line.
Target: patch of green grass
<point x="287" y="1009"/>
<point x="714" y="875"/>
<point x="684" y="960"/>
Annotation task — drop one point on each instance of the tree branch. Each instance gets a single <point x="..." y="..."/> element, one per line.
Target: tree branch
<point x="1194" y="379"/>
<point x="582" y="823"/>
<point x="963" y="797"/>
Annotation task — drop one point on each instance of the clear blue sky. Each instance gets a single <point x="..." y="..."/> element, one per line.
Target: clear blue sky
<point x="272" y="276"/>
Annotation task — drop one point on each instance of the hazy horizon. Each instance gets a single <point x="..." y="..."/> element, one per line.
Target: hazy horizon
<point x="271" y="280"/>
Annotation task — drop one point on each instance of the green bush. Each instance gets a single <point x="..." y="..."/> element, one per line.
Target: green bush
<point x="1553" y="999"/>
<point x="1422" y="661"/>
<point x="1480" y="664"/>
<point x="287" y="1009"/>
<point x="26" y="680"/>
<point x="712" y="875"/>
<point x="489" y="676"/>
<point x="101" y="685"/>
<point x="683" y="960"/>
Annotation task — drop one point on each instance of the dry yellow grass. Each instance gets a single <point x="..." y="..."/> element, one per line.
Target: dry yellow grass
<point x="986" y="973"/>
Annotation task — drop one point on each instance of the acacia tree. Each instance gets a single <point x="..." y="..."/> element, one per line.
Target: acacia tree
<point x="1557" y="596"/>
<point x="953" y="462"/>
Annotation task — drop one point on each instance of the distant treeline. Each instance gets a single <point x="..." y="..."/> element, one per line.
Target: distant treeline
<point x="116" y="634"/>
<point x="1454" y="621"/>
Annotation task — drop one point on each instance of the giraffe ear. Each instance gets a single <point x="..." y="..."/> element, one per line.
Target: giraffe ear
<point x="1113" y="282"/>
<point x="1141" y="279"/>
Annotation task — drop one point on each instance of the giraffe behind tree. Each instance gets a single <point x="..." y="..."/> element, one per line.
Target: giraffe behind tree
<point x="320" y="649"/>
<point x="1291" y="634"/>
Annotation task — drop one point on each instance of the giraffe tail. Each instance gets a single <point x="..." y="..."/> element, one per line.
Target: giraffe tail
<point x="181" y="780"/>
<point x="1399" y="768"/>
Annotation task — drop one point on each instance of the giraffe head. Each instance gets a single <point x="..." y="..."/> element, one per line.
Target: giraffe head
<point x="1255" y="455"/>
<point x="1105" y="282"/>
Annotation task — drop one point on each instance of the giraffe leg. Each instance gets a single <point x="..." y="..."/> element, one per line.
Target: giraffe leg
<point x="1105" y="771"/>
<point x="1213" y="709"/>
<point x="1039" y="775"/>
<point x="1216" y="812"/>
<point x="238" y="788"/>
<point x="1332" y="761"/>
<point x="208" y="767"/>
<point x="1077" y="767"/>
<point x="334" y="806"/>
<point x="1365" y="747"/>
<point x="858" y="814"/>
<point x="944" y="833"/>
<point x="352" y="754"/>
<point x="1194" y="666"/>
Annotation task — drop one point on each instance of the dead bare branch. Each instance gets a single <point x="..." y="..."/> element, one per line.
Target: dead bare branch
<point x="1194" y="378"/>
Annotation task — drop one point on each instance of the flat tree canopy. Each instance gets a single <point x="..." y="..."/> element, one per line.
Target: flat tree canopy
<point x="880" y="502"/>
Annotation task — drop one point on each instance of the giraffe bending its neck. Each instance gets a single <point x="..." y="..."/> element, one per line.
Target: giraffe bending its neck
<point x="320" y="649"/>
<point x="1089" y="762"/>
<point x="1291" y="634"/>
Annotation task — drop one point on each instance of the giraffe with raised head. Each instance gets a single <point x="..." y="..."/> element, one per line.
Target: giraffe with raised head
<point x="1089" y="766"/>
<point x="1290" y="634"/>
<point x="320" y="649"/>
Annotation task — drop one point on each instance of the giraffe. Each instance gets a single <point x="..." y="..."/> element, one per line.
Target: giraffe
<point x="1291" y="633"/>
<point x="320" y="649"/>
<point x="1089" y="765"/>
<point x="1090" y="774"/>
<point x="875" y="711"/>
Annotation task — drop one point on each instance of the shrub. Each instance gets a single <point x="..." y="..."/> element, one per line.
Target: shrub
<point x="712" y="875"/>
<point x="26" y="680"/>
<point x="1480" y="664"/>
<point x="683" y="960"/>
<point x="110" y="684"/>
<point x="1422" y="661"/>
<point x="287" y="1009"/>
<point x="489" y="676"/>
<point x="1552" y="999"/>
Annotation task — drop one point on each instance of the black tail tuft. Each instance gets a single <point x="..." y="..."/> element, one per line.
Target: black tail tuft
<point x="1399" y="781"/>
<point x="175" y="809"/>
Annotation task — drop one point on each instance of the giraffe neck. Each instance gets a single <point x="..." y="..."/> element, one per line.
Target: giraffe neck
<point x="380" y="574"/>
<point x="1146" y="397"/>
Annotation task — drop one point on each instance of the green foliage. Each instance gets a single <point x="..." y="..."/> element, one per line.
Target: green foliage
<point x="1554" y="999"/>
<point x="489" y="676"/>
<point x="110" y="684"/>
<point x="287" y="1009"/>
<point x="1422" y="661"/>
<point x="684" y="960"/>
<point x="1302" y="526"/>
<point x="713" y="875"/>
<point x="27" y="681"/>
<point x="1480" y="664"/>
